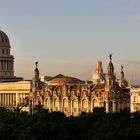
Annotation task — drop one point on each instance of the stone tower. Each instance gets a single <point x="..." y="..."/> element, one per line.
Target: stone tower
<point x="110" y="76"/>
<point x="98" y="76"/>
<point x="36" y="80"/>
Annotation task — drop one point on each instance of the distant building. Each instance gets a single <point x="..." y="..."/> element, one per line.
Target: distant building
<point x="13" y="90"/>
<point x="135" y="99"/>
<point x="6" y="60"/>
<point x="72" y="96"/>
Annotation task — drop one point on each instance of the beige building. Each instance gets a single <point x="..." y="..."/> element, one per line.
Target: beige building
<point x="73" y="96"/>
<point x="135" y="99"/>
<point x="13" y="94"/>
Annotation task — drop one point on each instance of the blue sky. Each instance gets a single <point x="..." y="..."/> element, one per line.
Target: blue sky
<point x="69" y="36"/>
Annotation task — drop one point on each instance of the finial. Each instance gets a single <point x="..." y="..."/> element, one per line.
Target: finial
<point x="110" y="57"/>
<point x="36" y="63"/>
<point x="121" y="68"/>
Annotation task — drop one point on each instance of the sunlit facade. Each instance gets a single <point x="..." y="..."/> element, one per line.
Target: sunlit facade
<point x="135" y="99"/>
<point x="73" y="96"/>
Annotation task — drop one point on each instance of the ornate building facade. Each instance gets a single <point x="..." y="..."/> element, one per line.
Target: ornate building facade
<point x="72" y="96"/>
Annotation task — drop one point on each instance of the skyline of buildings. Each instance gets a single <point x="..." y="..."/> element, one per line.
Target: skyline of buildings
<point x="61" y="93"/>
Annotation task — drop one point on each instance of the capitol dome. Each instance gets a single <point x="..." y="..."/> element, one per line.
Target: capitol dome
<point x="4" y="40"/>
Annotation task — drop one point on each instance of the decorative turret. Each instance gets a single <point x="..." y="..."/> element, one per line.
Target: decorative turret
<point x="98" y="75"/>
<point x="123" y="82"/>
<point x="110" y="76"/>
<point x="36" y="79"/>
<point x="99" y="67"/>
<point x="110" y="68"/>
<point x="122" y="74"/>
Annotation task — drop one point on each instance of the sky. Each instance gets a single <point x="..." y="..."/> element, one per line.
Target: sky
<point x="69" y="36"/>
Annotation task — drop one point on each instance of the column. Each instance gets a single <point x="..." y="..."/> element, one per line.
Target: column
<point x="60" y="103"/>
<point x="69" y="106"/>
<point x="114" y="106"/>
<point x="5" y="64"/>
<point x="17" y="98"/>
<point x="6" y="99"/>
<point x="78" y="107"/>
<point x="89" y="105"/>
<point x="9" y="65"/>
<point x="1" y="99"/>
<point x="13" y="99"/>
<point x="9" y="99"/>
<point x="107" y="106"/>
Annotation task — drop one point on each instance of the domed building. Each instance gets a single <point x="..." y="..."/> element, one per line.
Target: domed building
<point x="6" y="60"/>
<point x="13" y="90"/>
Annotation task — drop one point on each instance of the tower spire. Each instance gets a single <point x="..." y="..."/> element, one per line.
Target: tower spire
<point x="122" y="73"/>
<point x="121" y="68"/>
<point x="36" y="64"/>
<point x="110" y="57"/>
<point x="36" y="79"/>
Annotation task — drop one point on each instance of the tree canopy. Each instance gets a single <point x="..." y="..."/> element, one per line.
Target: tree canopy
<point x="44" y="125"/>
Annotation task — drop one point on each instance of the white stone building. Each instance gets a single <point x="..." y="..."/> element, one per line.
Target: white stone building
<point x="135" y="99"/>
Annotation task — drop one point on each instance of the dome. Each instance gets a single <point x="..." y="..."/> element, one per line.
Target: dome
<point x="4" y="40"/>
<point x="59" y="79"/>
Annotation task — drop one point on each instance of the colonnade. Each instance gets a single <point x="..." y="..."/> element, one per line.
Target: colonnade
<point x="6" y="65"/>
<point x="9" y="100"/>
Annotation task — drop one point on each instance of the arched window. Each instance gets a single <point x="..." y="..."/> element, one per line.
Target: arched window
<point x="74" y="106"/>
<point x="95" y="103"/>
<point x="84" y="105"/>
<point x="47" y="103"/>
<point x="65" y="105"/>
<point x="39" y="102"/>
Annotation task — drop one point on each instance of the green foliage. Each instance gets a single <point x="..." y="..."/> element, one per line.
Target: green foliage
<point x="53" y="126"/>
